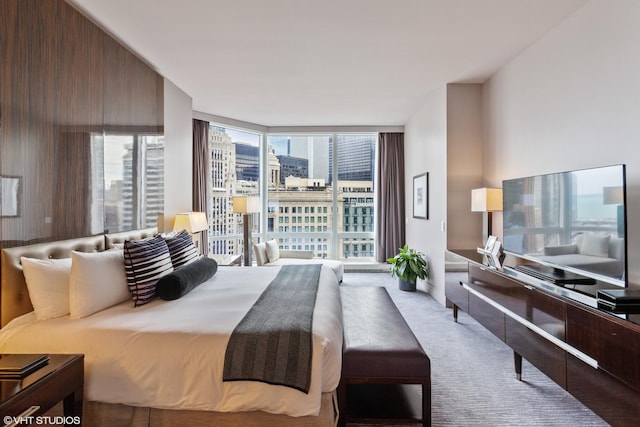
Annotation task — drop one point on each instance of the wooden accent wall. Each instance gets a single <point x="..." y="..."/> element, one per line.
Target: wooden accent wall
<point x="62" y="79"/>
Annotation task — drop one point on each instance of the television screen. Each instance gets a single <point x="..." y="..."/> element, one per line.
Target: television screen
<point x="571" y="221"/>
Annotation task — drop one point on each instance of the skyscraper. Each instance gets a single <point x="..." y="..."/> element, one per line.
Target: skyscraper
<point x="247" y="162"/>
<point x="356" y="156"/>
<point x="293" y="166"/>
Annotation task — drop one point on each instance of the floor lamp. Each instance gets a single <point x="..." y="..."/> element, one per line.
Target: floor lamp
<point x="615" y="196"/>
<point x="246" y="205"/>
<point x="486" y="200"/>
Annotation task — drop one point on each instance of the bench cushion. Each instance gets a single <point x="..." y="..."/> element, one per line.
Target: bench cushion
<point x="378" y="342"/>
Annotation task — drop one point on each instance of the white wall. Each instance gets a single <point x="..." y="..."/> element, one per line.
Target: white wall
<point x="572" y="100"/>
<point x="426" y="151"/>
<point x="178" y="143"/>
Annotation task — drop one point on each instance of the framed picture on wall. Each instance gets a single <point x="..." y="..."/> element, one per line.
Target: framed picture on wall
<point x="421" y="196"/>
<point x="9" y="196"/>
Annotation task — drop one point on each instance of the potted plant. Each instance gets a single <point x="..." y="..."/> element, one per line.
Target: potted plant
<point x="408" y="265"/>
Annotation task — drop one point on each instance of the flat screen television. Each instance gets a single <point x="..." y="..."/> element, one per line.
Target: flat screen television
<point x="571" y="224"/>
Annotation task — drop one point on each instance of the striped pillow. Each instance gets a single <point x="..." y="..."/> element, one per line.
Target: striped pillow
<point x="145" y="262"/>
<point x="181" y="249"/>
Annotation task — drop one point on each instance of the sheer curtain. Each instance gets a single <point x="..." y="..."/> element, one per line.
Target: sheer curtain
<point x="200" y="173"/>
<point x="390" y="211"/>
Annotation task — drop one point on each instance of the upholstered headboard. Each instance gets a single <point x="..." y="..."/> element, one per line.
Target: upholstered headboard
<point x="14" y="296"/>
<point x="111" y="239"/>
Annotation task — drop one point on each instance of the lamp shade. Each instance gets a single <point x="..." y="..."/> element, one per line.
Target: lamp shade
<point x="486" y="199"/>
<point x="193" y="222"/>
<point x="246" y="204"/>
<point x="612" y="195"/>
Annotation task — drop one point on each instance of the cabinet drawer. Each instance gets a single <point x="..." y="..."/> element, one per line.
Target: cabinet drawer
<point x="487" y="315"/>
<point x="541" y="353"/>
<point x="614" y="345"/>
<point x="613" y="400"/>
<point x="527" y="302"/>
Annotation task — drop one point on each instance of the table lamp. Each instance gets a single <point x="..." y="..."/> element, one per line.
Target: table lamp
<point x="486" y="200"/>
<point x="194" y="223"/>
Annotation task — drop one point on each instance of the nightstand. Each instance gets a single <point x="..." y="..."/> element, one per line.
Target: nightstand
<point x="62" y="379"/>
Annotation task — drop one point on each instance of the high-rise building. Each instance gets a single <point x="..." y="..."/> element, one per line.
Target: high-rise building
<point x="223" y="181"/>
<point x="235" y="169"/>
<point x="356" y="157"/>
<point x="304" y="206"/>
<point x="136" y="200"/>
<point x="152" y="198"/>
<point x="274" y="172"/>
<point x="357" y="216"/>
<point x="314" y="148"/>
<point x="293" y="166"/>
<point x="247" y="162"/>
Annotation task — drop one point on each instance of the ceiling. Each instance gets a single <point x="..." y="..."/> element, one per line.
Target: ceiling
<point x="324" y="62"/>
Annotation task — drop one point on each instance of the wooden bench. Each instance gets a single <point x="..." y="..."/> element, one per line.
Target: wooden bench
<point x="379" y="350"/>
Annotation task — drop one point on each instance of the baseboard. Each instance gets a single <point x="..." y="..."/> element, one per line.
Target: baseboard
<point x="366" y="268"/>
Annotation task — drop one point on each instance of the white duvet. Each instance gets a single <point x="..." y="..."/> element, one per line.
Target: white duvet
<point x="170" y="354"/>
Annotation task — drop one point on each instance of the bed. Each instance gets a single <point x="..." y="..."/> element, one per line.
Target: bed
<point x="161" y="363"/>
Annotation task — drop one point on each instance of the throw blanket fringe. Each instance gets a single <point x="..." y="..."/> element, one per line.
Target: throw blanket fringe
<point x="273" y="343"/>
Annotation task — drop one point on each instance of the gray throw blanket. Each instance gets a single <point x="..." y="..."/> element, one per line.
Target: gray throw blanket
<point x="273" y="343"/>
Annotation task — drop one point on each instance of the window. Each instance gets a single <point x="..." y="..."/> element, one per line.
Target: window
<point x="304" y="166"/>
<point x="235" y="170"/>
<point x="326" y="177"/>
<point x="301" y="165"/>
<point x="355" y="174"/>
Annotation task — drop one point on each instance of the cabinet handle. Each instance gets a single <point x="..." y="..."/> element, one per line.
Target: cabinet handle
<point x="23" y="416"/>
<point x="544" y="334"/>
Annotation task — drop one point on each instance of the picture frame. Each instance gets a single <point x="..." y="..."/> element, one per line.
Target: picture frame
<point x="491" y="241"/>
<point x="494" y="261"/>
<point x="496" y="248"/>
<point x="10" y="192"/>
<point x="421" y="196"/>
<point x="495" y="255"/>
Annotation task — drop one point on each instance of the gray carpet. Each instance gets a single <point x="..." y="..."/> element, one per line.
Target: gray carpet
<point x="472" y="374"/>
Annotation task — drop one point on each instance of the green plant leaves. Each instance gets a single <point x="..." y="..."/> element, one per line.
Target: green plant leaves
<point x="409" y="265"/>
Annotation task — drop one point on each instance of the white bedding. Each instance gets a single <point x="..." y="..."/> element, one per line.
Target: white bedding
<point x="170" y="354"/>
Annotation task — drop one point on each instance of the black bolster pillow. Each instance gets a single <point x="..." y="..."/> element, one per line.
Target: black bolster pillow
<point x="179" y="282"/>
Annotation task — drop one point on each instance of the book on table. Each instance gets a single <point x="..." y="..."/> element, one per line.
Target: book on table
<point x="20" y="365"/>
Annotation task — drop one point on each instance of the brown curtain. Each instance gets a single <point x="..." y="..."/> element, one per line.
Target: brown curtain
<point x="390" y="211"/>
<point x="200" y="174"/>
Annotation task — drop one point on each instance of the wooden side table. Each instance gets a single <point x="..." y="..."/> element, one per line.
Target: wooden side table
<point x="62" y="379"/>
<point x="229" y="259"/>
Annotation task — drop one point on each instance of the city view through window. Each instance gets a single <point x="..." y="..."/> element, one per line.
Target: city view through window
<point x="319" y="191"/>
<point x="128" y="181"/>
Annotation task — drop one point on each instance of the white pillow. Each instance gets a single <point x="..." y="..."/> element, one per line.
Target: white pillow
<point x="97" y="281"/>
<point x="595" y="245"/>
<point x="260" y="252"/>
<point x="48" y="285"/>
<point x="273" y="251"/>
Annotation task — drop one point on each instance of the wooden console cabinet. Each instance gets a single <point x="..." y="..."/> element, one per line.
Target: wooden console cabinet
<point x="593" y="354"/>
